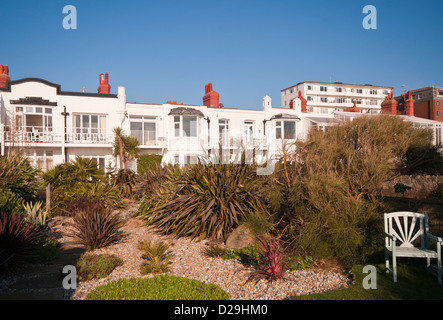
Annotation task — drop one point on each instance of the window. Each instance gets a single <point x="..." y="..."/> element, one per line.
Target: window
<point x="438" y="103"/>
<point x="358" y="101"/>
<point x="309" y="87"/>
<point x="144" y="129"/>
<point x="309" y="98"/>
<point x="324" y="99"/>
<point x="291" y="91"/>
<point x="249" y="132"/>
<point x="324" y="89"/>
<point x="285" y="130"/>
<point x="438" y="113"/>
<point x="340" y="100"/>
<point x="339" y="89"/>
<point x="89" y="127"/>
<point x="359" y="90"/>
<point x="223" y="130"/>
<point x="185" y="126"/>
<point x="372" y="91"/>
<point x="440" y="93"/>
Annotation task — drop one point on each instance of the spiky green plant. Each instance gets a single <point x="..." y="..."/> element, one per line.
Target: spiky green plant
<point x="204" y="200"/>
<point x="95" y="225"/>
<point x="17" y="240"/>
<point x="36" y="214"/>
<point x="156" y="255"/>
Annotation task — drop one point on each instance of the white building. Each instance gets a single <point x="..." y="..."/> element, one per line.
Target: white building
<point x="323" y="97"/>
<point x="53" y="126"/>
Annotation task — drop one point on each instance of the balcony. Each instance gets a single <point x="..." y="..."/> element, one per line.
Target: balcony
<point x="33" y="134"/>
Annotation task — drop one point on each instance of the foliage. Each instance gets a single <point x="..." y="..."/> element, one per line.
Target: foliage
<point x="148" y="161"/>
<point x="96" y="266"/>
<point x="156" y="255"/>
<point x="248" y="256"/>
<point x="204" y="200"/>
<point x="124" y="180"/>
<point x="151" y="180"/>
<point x="326" y="195"/>
<point x="18" y="182"/>
<point x="162" y="287"/>
<point x="125" y="147"/>
<point x="299" y="262"/>
<point x="401" y="188"/>
<point x="45" y="250"/>
<point x="36" y="215"/>
<point x="80" y="179"/>
<point x="17" y="239"/>
<point x="272" y="261"/>
<point x="422" y="160"/>
<point x="259" y="223"/>
<point x="95" y="225"/>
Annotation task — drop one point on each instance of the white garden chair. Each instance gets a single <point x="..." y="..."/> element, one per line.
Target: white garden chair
<point x="402" y="232"/>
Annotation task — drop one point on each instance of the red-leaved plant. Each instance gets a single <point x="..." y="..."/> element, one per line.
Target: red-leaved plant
<point x="272" y="265"/>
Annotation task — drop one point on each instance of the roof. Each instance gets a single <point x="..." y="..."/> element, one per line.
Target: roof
<point x="57" y="87"/>
<point x="322" y="120"/>
<point x="338" y="83"/>
<point x="285" y="116"/>
<point x="182" y="111"/>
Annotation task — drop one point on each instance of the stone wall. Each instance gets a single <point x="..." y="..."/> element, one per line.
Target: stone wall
<point x="422" y="187"/>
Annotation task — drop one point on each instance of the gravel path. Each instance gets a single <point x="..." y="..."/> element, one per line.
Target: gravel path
<point x="189" y="261"/>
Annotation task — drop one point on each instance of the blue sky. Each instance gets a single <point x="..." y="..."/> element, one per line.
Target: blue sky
<point x="168" y="50"/>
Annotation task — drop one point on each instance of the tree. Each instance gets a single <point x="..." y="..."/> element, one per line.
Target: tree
<point x="125" y="147"/>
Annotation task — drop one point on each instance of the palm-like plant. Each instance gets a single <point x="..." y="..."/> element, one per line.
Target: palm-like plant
<point x="203" y="200"/>
<point x="125" y="147"/>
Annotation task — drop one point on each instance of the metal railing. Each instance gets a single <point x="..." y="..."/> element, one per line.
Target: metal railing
<point x="32" y="134"/>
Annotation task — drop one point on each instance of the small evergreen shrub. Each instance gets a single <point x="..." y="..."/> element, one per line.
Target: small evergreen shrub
<point x="162" y="287"/>
<point x="157" y="257"/>
<point x="148" y="161"/>
<point x="299" y="262"/>
<point x="96" y="266"/>
<point x="95" y="225"/>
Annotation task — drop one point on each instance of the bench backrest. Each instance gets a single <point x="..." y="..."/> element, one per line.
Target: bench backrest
<point x="406" y="227"/>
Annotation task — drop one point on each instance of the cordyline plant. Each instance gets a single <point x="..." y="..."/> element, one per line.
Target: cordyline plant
<point x="204" y="200"/>
<point x="94" y="224"/>
<point x="272" y="261"/>
<point x="16" y="241"/>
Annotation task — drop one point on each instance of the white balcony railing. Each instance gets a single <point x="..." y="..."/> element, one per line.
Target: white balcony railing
<point x="33" y="134"/>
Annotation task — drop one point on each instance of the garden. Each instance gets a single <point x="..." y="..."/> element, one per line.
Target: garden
<point x="216" y="230"/>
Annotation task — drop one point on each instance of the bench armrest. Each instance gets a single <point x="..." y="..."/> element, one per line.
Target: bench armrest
<point x="434" y="238"/>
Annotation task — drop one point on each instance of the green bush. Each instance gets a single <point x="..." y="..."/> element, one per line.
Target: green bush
<point x="162" y="287"/>
<point x="327" y="195"/>
<point x="156" y="255"/>
<point x="45" y="249"/>
<point x="148" y="162"/>
<point x="80" y="179"/>
<point x="204" y="200"/>
<point x="299" y="262"/>
<point x="96" y="266"/>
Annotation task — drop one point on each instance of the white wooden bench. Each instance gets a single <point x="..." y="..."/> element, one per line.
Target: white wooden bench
<point x="406" y="229"/>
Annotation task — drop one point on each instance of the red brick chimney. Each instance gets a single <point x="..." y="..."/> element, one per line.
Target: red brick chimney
<point x="303" y="102"/>
<point x="389" y="106"/>
<point x="4" y="76"/>
<point x="409" y="104"/>
<point x="211" y="98"/>
<point x="104" y="87"/>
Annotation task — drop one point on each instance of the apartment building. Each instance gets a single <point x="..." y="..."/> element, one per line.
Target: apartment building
<point x="52" y="126"/>
<point x="428" y="103"/>
<point x="326" y="98"/>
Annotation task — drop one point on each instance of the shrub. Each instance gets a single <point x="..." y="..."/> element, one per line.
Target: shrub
<point x="124" y="180"/>
<point x="148" y="162"/>
<point x="272" y="261"/>
<point x="299" y="262"/>
<point x="95" y="225"/>
<point x="36" y="215"/>
<point x="17" y="239"/>
<point x="327" y="195"/>
<point x="96" y="266"/>
<point x="45" y="249"/>
<point x="80" y="179"/>
<point x="162" y="287"/>
<point x="156" y="255"/>
<point x="203" y="200"/>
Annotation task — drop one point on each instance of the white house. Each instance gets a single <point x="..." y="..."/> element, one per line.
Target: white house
<point x="52" y="126"/>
